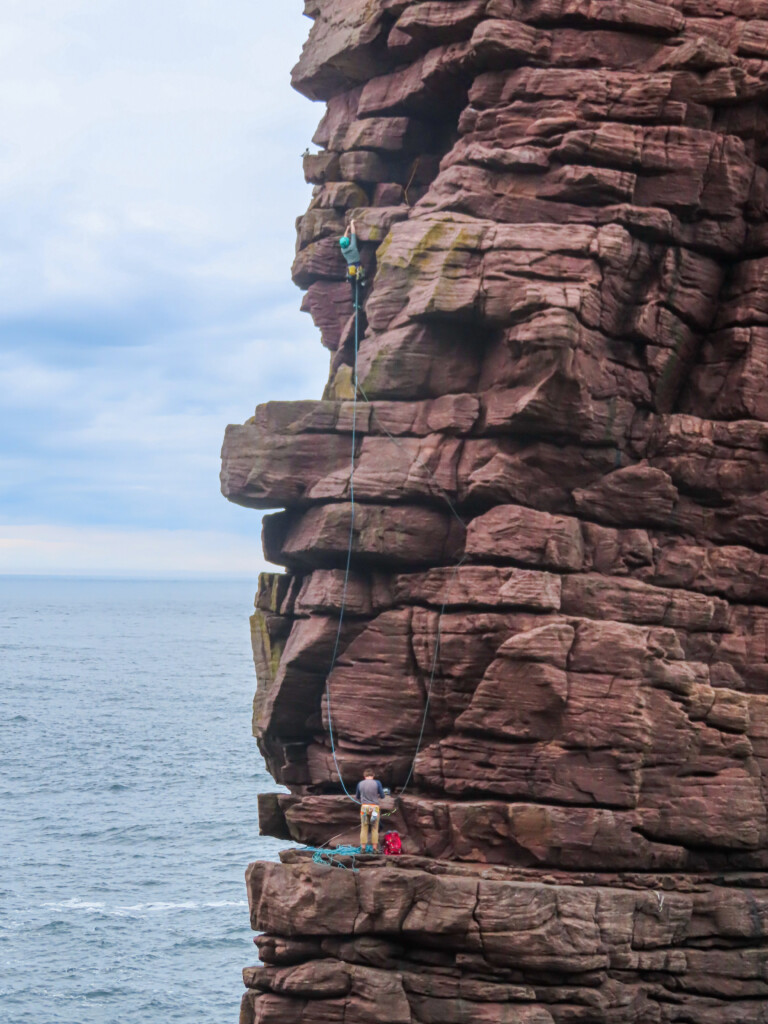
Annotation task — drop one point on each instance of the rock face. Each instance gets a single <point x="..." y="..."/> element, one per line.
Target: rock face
<point x="555" y="630"/>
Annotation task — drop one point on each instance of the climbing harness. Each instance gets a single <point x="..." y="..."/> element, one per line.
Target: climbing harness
<point x="433" y="670"/>
<point x="371" y="812"/>
<point x="369" y="821"/>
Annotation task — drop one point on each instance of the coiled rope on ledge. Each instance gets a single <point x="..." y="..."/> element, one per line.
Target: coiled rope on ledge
<point x="433" y="669"/>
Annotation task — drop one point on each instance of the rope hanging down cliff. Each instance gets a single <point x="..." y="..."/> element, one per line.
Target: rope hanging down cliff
<point x="355" y="280"/>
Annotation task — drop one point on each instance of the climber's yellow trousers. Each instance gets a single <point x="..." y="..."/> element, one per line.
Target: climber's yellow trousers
<point x="370" y="814"/>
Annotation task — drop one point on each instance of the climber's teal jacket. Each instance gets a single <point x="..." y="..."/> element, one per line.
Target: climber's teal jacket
<point x="352" y="254"/>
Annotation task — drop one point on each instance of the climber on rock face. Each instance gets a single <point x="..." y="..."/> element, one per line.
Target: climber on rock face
<point x="369" y="793"/>
<point x="351" y="254"/>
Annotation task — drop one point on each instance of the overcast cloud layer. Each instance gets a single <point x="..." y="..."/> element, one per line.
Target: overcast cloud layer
<point x="150" y="175"/>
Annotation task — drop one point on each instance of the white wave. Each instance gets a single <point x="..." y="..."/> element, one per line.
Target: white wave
<point x="129" y="909"/>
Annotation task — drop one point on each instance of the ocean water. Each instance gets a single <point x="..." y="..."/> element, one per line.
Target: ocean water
<point x="128" y="784"/>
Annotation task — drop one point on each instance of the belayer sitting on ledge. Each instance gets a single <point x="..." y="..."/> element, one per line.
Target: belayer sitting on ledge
<point x="369" y="792"/>
<point x="351" y="254"/>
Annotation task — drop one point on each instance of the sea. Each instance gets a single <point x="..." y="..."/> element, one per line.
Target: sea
<point x="128" y="800"/>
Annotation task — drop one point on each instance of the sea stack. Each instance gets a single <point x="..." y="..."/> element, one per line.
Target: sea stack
<point x="554" y="643"/>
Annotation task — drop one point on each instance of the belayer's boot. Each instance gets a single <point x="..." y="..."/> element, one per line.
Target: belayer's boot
<point x="369" y="849"/>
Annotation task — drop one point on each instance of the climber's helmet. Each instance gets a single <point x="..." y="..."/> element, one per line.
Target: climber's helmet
<point x="344" y="242"/>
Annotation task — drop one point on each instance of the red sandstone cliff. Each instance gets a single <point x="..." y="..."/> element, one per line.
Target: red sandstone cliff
<point x="564" y="216"/>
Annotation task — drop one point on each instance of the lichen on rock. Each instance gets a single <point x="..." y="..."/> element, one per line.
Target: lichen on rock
<point x="560" y="537"/>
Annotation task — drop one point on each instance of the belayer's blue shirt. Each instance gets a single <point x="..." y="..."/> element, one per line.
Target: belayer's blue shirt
<point x="369" y="791"/>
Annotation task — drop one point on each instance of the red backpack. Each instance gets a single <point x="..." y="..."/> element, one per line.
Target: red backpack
<point x="392" y="844"/>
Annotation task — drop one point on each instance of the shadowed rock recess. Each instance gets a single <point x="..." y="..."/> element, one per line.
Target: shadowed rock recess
<point x="563" y="208"/>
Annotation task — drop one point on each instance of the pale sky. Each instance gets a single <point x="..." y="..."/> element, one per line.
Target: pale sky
<point x="150" y="176"/>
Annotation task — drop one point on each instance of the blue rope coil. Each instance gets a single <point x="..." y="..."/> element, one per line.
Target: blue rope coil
<point x="326" y="855"/>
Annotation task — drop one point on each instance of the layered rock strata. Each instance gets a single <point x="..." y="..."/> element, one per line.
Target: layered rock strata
<point x="560" y="535"/>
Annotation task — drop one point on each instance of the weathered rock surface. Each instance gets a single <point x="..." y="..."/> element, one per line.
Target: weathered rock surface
<point x="416" y="941"/>
<point x="555" y="628"/>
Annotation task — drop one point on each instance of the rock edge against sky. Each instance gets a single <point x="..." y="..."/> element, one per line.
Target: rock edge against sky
<point x="564" y="218"/>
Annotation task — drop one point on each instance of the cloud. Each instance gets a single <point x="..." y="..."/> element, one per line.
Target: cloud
<point x="150" y="176"/>
<point x="147" y="138"/>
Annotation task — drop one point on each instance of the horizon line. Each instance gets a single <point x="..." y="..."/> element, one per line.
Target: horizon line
<point x="175" y="576"/>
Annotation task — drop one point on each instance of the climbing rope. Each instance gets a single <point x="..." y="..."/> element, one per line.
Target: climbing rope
<point x="324" y="855"/>
<point x="350" y="544"/>
<point x="410" y="180"/>
<point x="358" y="389"/>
